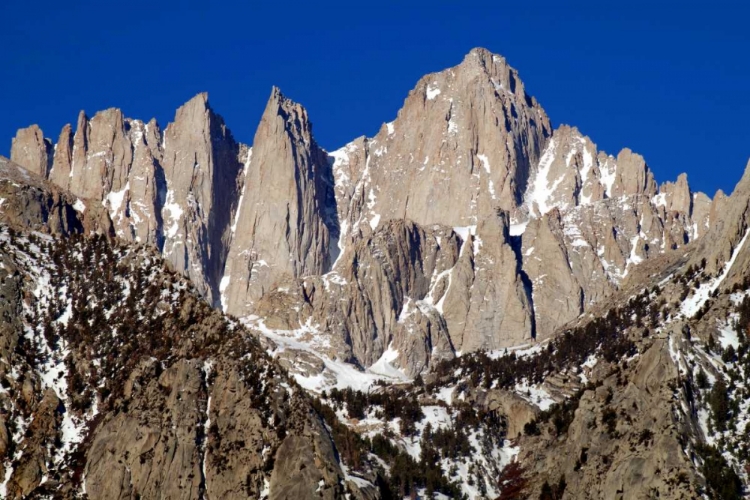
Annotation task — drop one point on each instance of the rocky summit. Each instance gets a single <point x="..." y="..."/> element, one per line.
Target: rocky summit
<point x="473" y="303"/>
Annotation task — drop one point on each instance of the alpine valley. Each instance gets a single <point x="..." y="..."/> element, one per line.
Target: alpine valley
<point x="474" y="303"/>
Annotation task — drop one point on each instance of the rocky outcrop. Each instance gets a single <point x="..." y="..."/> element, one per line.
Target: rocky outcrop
<point x="185" y="404"/>
<point x="633" y="456"/>
<point x="487" y="303"/>
<point x="30" y="202"/>
<point x="385" y="295"/>
<point x="32" y="150"/>
<point x="192" y="449"/>
<point x="516" y="410"/>
<point x="176" y="191"/>
<point x="589" y="218"/>
<point x="110" y="160"/>
<point x="62" y="162"/>
<point x="410" y="296"/>
<point x="135" y="209"/>
<point x="286" y="226"/>
<point x="201" y="167"/>
<point x="730" y="220"/>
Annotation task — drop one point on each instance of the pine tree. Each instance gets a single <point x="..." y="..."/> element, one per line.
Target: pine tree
<point x="718" y="400"/>
<point x="701" y="379"/>
<point x="711" y="344"/>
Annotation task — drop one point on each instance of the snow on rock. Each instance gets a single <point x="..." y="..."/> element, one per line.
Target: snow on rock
<point x="223" y="285"/>
<point x="588" y="165"/>
<point x="695" y="302"/>
<point x="244" y="188"/>
<point x="374" y="221"/>
<point x="384" y="366"/>
<point x="540" y="191"/>
<point x="445" y="394"/>
<point x="608" y="174"/>
<point x="659" y="200"/>
<point x="535" y="394"/>
<point x="463" y="232"/>
<point x="114" y="200"/>
<point x="520" y="351"/>
<point x="728" y="337"/>
<point x="432" y="92"/>
<point x="518" y="228"/>
<point x="175" y="214"/>
<point x="309" y="339"/>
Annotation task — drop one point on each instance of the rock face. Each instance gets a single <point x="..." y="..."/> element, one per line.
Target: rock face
<point x="470" y="134"/>
<point x="730" y="220"/>
<point x="193" y="460"/>
<point x="386" y="294"/>
<point x="487" y="304"/>
<point x="588" y="218"/>
<point x="549" y="225"/>
<point x="616" y="464"/>
<point x="286" y="226"/>
<point x="176" y="191"/>
<point x="201" y="167"/>
<point x="113" y="161"/>
<point x="32" y="150"/>
<point x="30" y="202"/>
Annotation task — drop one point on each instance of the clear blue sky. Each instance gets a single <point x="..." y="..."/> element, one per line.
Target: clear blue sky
<point x="670" y="80"/>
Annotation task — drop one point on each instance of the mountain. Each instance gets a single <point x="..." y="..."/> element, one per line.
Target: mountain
<point x="119" y="381"/>
<point x="447" y="308"/>
<point x="541" y="209"/>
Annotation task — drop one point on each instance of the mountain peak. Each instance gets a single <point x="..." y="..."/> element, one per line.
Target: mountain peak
<point x="199" y="99"/>
<point x="276" y="93"/>
<point x="484" y="55"/>
<point x="277" y="100"/>
<point x="195" y="108"/>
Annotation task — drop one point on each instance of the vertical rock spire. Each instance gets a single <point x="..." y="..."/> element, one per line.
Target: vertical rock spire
<point x="287" y="218"/>
<point x="63" y="158"/>
<point x="201" y="168"/>
<point x="32" y="151"/>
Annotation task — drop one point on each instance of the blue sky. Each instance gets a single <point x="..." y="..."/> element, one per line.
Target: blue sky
<point x="670" y="80"/>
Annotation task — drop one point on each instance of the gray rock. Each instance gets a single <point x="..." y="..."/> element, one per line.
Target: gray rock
<point x="286" y="226"/>
<point x="32" y="150"/>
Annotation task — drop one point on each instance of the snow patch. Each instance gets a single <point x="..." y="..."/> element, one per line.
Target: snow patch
<point x="175" y="214"/>
<point x="114" y="199"/>
<point x="608" y="174"/>
<point x="432" y="92"/>
<point x="540" y="192"/>
<point x="659" y="200"/>
<point x="518" y="229"/>
<point x="384" y="365"/>
<point x="463" y="232"/>
<point x="244" y="188"/>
